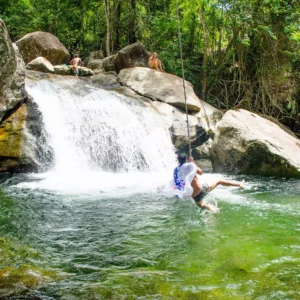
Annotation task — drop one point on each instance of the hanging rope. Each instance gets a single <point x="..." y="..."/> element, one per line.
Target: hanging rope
<point x="183" y="79"/>
<point x="184" y="88"/>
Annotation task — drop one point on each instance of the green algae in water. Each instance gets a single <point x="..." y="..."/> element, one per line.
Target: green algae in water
<point x="148" y="247"/>
<point x="20" y="265"/>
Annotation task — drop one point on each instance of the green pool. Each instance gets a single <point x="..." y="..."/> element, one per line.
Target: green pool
<point x="56" y="245"/>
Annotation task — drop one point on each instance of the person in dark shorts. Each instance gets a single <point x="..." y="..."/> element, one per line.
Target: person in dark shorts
<point x="200" y="190"/>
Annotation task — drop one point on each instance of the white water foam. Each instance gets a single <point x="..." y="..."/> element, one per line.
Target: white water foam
<point x="102" y="141"/>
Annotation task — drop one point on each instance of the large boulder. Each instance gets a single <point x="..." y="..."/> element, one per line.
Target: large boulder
<point x="40" y="64"/>
<point x="109" y="63"/>
<point x="12" y="73"/>
<point x="208" y="116"/>
<point x="134" y="55"/>
<point x="105" y="81"/>
<point x="68" y="70"/>
<point x="63" y="70"/>
<point x="83" y="71"/>
<point x="246" y="143"/>
<point x="8" y="61"/>
<point x="176" y="121"/>
<point x="95" y="55"/>
<point x="160" y="86"/>
<point x="96" y="65"/>
<point x="44" y="44"/>
<point x="95" y="61"/>
<point x="17" y="85"/>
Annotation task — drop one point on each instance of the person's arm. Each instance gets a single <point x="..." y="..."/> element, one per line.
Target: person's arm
<point x="71" y="62"/>
<point x="80" y="62"/>
<point x="199" y="171"/>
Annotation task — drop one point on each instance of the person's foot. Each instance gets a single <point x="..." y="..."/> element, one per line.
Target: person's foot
<point x="213" y="208"/>
<point x="242" y="184"/>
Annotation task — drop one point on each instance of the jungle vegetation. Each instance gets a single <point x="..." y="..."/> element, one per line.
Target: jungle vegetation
<point x="237" y="53"/>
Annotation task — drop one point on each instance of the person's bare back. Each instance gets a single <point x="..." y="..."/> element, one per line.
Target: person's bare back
<point x="196" y="185"/>
<point x="76" y="61"/>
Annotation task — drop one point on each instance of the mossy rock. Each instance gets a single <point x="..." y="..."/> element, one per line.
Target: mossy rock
<point x="258" y="160"/>
<point x="17" y="274"/>
<point x="246" y="143"/>
<point x="11" y="134"/>
<point x="12" y="151"/>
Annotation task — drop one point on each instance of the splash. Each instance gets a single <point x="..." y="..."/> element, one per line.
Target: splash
<point x="100" y="138"/>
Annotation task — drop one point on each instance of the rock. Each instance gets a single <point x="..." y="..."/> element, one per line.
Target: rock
<point x="134" y="55"/>
<point x="12" y="150"/>
<point x="105" y="81"/>
<point x="12" y="73"/>
<point x="68" y="70"/>
<point x="17" y="85"/>
<point x="63" y="70"/>
<point x="166" y="111"/>
<point x="109" y="63"/>
<point x="146" y="81"/>
<point x="205" y="164"/>
<point x="180" y="132"/>
<point x="176" y="120"/>
<point x="35" y="75"/>
<point x="297" y="127"/>
<point x="96" y="65"/>
<point x="8" y="60"/>
<point x="43" y="44"/>
<point x="96" y="55"/>
<point x="281" y="125"/>
<point x="83" y="71"/>
<point x="130" y="56"/>
<point x="38" y="150"/>
<point x="246" y="143"/>
<point x="209" y="116"/>
<point x="141" y="99"/>
<point x="40" y="64"/>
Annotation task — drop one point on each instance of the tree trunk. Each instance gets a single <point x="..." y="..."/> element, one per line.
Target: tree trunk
<point x="191" y="43"/>
<point x="117" y="25"/>
<point x="132" y="28"/>
<point x="205" y="50"/>
<point x="108" y="31"/>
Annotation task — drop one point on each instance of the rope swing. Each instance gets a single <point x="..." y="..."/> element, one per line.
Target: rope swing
<point x="183" y="79"/>
<point x="184" y="88"/>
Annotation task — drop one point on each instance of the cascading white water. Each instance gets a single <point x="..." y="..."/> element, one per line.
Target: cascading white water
<point x="101" y="139"/>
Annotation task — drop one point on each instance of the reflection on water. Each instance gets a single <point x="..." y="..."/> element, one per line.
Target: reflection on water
<point x="129" y="242"/>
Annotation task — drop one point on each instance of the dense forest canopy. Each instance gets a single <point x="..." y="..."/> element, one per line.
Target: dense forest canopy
<point x="237" y="53"/>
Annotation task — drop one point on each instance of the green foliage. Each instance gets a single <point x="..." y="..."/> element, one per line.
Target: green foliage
<point x="244" y="52"/>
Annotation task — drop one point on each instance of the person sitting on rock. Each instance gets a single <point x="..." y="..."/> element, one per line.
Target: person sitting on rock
<point x="75" y="62"/>
<point x="155" y="63"/>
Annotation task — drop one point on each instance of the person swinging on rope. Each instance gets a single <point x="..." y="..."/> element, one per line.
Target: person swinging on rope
<point x="185" y="183"/>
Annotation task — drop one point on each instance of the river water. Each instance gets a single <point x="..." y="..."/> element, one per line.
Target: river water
<point x="140" y="245"/>
<point x="96" y="227"/>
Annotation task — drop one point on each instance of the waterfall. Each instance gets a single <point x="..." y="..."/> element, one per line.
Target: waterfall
<point x="93" y="131"/>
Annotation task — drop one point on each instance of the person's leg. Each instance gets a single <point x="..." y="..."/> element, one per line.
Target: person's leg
<point x="207" y="206"/>
<point x="154" y="65"/>
<point x="160" y="65"/>
<point x="157" y="65"/>
<point x="225" y="183"/>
